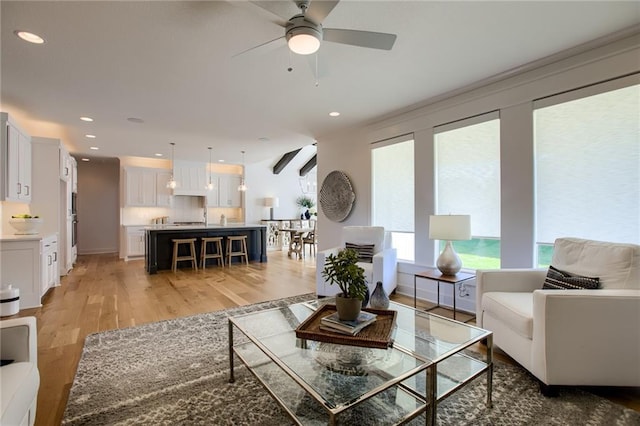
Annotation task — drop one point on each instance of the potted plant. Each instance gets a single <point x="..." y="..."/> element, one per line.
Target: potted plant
<point x="306" y="203"/>
<point x="342" y="269"/>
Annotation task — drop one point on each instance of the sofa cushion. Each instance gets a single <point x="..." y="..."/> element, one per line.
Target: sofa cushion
<point x="365" y="251"/>
<point x="19" y="388"/>
<point x="560" y="280"/>
<point x="616" y="264"/>
<point x="514" y="308"/>
<point x="364" y="235"/>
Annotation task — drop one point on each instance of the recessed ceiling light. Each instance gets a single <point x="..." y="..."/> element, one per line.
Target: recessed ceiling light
<point x="157" y="154"/>
<point x="135" y="120"/>
<point x="220" y="161"/>
<point x="86" y="118"/>
<point x="91" y="136"/>
<point x="334" y="113"/>
<point x="85" y="159"/>
<point x="95" y="148"/>
<point x="30" y="37"/>
<point x="263" y="139"/>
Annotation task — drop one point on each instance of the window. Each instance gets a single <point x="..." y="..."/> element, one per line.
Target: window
<point x="587" y="151"/>
<point x="467" y="156"/>
<point x="393" y="192"/>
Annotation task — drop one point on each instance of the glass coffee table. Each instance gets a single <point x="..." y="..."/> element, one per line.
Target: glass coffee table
<point x="328" y="383"/>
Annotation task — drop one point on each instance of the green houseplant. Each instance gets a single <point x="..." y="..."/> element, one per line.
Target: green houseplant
<point x="305" y="203"/>
<point x="341" y="269"/>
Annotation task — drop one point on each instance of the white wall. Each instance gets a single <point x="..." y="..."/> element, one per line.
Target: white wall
<point x="262" y="183"/>
<point x="513" y="95"/>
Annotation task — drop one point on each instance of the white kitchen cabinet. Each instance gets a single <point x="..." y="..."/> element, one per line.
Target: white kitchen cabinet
<point x="50" y="276"/>
<point x="135" y="237"/>
<point x="164" y="195"/>
<point x="191" y="178"/>
<point x="16" y="162"/>
<point x="140" y="187"/>
<point x="74" y="175"/>
<point x="213" y="195"/>
<point x="65" y="164"/>
<point x="24" y="263"/>
<point x="228" y="194"/>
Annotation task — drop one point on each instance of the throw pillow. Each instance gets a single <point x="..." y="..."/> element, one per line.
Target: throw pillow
<point x="365" y="251"/>
<point x="560" y="280"/>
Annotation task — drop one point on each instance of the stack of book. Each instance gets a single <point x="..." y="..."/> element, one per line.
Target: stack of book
<point x="334" y="324"/>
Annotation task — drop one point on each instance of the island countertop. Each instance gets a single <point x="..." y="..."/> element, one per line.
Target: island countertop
<point x="159" y="247"/>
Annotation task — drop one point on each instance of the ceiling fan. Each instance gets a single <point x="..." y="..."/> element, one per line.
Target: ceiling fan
<point x="304" y="31"/>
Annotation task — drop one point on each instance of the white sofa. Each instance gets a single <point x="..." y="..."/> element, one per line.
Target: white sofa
<point x="569" y="337"/>
<point x="20" y="380"/>
<point x="383" y="268"/>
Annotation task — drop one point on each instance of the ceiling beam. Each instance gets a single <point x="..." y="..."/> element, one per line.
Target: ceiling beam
<point x="309" y="165"/>
<point x="282" y="162"/>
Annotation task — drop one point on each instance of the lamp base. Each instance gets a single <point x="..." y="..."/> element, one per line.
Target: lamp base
<point x="449" y="263"/>
<point x="271" y="213"/>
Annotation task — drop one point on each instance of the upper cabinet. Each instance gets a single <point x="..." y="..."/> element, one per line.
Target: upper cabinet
<point x="163" y="194"/>
<point x="191" y="178"/>
<point x="16" y="162"/>
<point x="229" y="196"/>
<point x="74" y="175"/>
<point x="66" y="167"/>
<point x="140" y="187"/>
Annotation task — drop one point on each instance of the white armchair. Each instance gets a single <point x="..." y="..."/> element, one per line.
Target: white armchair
<point x="569" y="337"/>
<point x="383" y="268"/>
<point x="19" y="380"/>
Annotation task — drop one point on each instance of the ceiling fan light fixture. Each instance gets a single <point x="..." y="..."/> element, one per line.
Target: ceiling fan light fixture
<point x="303" y="36"/>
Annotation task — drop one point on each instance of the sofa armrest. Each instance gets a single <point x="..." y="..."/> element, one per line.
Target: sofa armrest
<point x="19" y="339"/>
<point x="385" y="269"/>
<point x="580" y="331"/>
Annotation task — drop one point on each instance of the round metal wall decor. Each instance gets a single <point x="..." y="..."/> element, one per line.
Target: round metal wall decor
<point x="336" y="196"/>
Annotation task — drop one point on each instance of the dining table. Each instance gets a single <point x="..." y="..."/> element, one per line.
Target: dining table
<point x="295" y="240"/>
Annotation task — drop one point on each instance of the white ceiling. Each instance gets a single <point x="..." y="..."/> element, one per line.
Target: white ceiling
<point x="171" y="63"/>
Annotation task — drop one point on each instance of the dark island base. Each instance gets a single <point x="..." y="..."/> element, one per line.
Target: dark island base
<point x="159" y="247"/>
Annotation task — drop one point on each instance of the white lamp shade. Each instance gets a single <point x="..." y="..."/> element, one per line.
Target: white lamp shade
<point x="450" y="227"/>
<point x="272" y="202"/>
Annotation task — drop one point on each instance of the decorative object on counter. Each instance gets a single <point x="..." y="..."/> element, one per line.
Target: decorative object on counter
<point x="449" y="228"/>
<point x="242" y="187"/>
<point x="9" y="300"/>
<point x="271" y="202"/>
<point x="25" y="224"/>
<point x="379" y="298"/>
<point x="337" y="196"/>
<point x="343" y="271"/>
<point x="305" y="203"/>
<point x="223" y="220"/>
<point x="172" y="182"/>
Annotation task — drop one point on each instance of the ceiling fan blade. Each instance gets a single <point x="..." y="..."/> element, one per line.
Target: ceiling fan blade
<point x="258" y="46"/>
<point x="283" y="9"/>
<point x="319" y="9"/>
<point x="370" y="39"/>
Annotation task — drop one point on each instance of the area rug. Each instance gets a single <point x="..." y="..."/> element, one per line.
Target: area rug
<point x="176" y="372"/>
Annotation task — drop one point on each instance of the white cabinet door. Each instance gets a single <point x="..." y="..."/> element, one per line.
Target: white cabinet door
<point x="191" y="178"/>
<point x="164" y="195"/>
<point x="49" y="269"/>
<point x="229" y="195"/>
<point x="140" y="187"/>
<point x="74" y="174"/>
<point x="17" y="147"/>
<point x="135" y="242"/>
<point x="65" y="165"/>
<point x="214" y="193"/>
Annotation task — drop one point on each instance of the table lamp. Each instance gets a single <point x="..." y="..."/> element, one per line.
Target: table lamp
<point x="449" y="228"/>
<point x="271" y="202"/>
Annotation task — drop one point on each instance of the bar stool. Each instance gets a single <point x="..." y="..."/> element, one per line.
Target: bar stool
<point x="192" y="257"/>
<point x="242" y="239"/>
<point x="217" y="246"/>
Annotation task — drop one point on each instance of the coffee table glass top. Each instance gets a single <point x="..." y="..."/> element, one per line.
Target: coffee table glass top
<point x="419" y="340"/>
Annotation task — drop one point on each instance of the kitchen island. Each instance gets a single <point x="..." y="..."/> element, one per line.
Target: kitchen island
<point x="159" y="247"/>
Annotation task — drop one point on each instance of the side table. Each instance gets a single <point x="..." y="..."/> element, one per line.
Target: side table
<point x="435" y="275"/>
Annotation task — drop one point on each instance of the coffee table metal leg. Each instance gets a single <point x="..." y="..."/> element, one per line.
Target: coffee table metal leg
<point x="231" y="377"/>
<point x="432" y="395"/>
<point x="489" y="370"/>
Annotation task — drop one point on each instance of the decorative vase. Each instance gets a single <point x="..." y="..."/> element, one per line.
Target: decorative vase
<point x="379" y="298"/>
<point x="307" y="215"/>
<point x="348" y="307"/>
<point x="367" y="295"/>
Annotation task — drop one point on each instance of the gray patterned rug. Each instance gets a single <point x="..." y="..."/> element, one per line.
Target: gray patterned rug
<point x="175" y="372"/>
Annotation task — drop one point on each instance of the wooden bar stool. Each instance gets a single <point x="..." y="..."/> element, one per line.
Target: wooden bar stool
<point x="217" y="254"/>
<point x="192" y="247"/>
<point x="242" y="239"/>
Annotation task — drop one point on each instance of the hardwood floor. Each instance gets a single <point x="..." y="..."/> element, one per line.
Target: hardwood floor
<point x="103" y="293"/>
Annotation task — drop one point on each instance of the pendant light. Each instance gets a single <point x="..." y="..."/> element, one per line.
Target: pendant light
<point x="210" y="185"/>
<point x="242" y="187"/>
<point x="172" y="182"/>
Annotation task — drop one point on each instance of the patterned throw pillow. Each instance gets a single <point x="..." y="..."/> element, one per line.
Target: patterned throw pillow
<point x="365" y="251"/>
<point x="560" y="280"/>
